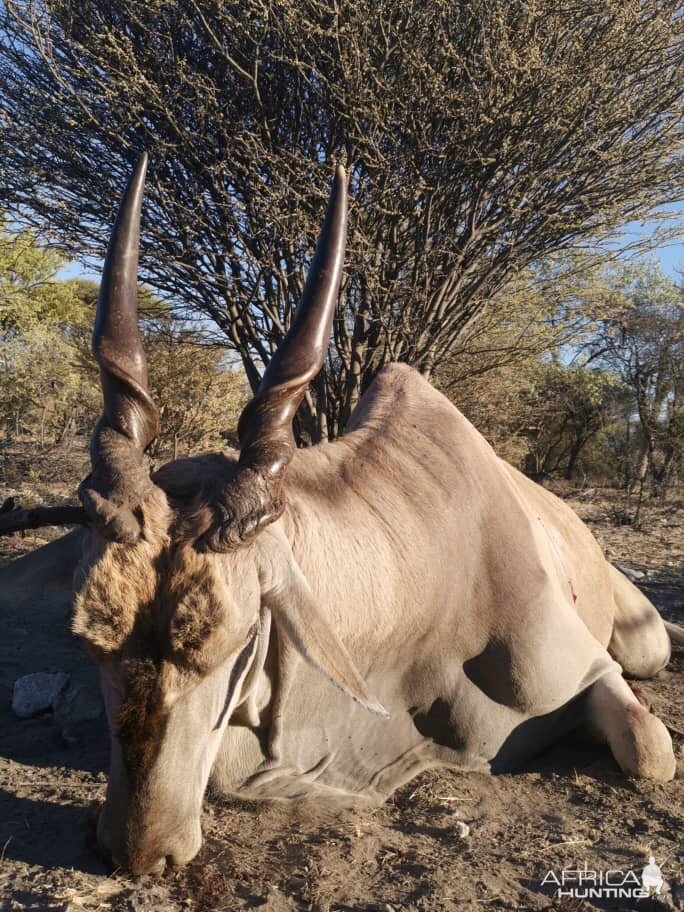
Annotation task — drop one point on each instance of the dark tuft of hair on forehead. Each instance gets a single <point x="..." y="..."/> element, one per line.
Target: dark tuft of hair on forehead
<point x="141" y="719"/>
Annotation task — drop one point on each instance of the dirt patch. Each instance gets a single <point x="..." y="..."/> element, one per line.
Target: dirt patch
<point x="571" y="809"/>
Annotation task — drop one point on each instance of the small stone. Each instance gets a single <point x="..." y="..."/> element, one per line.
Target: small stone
<point x="35" y="693"/>
<point x="77" y="703"/>
<point x="461" y="829"/>
<point x="631" y="574"/>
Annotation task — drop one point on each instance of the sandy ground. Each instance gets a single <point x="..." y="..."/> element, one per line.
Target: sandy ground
<point x="571" y="809"/>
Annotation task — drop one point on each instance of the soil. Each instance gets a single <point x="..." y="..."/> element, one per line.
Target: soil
<point x="571" y="809"/>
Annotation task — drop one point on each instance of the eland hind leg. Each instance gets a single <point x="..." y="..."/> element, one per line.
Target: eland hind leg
<point x="639" y="641"/>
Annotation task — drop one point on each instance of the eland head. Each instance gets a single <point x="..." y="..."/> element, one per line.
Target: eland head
<point x="178" y="564"/>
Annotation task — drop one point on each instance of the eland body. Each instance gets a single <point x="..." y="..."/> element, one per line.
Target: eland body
<point x="337" y="619"/>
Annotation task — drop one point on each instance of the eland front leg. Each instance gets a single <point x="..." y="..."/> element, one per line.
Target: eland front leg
<point x="638" y="740"/>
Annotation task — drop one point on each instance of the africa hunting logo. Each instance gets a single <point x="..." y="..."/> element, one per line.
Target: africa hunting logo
<point x="612" y="884"/>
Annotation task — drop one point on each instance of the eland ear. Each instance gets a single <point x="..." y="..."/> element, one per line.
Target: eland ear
<point x="286" y="591"/>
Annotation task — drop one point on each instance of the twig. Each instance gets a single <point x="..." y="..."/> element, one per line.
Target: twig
<point x="567" y="842"/>
<point x="61" y="784"/>
<point x="7" y="842"/>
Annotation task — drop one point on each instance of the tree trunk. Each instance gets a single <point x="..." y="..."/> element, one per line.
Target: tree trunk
<point x="627" y="472"/>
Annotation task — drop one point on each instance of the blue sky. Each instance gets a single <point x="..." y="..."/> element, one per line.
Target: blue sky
<point x="76" y="271"/>
<point x="671" y="258"/>
<point x="669" y="255"/>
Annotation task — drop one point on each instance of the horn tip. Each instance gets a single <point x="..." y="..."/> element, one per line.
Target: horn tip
<point x="141" y="163"/>
<point x="340" y="173"/>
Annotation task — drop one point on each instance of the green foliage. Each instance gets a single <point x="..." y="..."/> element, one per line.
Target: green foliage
<point x="643" y="343"/>
<point x="50" y="382"/>
<point x="199" y="398"/>
<point x="41" y="392"/>
<point x="567" y="407"/>
<point x="595" y="388"/>
<point x="29" y="296"/>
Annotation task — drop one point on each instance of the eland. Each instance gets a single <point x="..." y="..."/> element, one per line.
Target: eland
<point x="331" y="620"/>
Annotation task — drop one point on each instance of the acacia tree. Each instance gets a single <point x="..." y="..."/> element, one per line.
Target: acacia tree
<point x="49" y="381"/>
<point x="199" y="399"/>
<point x="480" y="136"/>
<point x="198" y="395"/>
<point x="643" y="344"/>
<point x="39" y="386"/>
<point x="567" y="409"/>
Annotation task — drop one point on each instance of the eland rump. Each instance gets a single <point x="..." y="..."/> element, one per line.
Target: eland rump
<point x="331" y="620"/>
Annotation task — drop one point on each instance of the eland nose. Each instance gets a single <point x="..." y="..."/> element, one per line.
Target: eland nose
<point x="176" y="859"/>
<point x="153" y="865"/>
<point x="152" y="859"/>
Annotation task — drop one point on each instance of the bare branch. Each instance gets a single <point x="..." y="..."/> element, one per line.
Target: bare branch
<point x="36" y="517"/>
